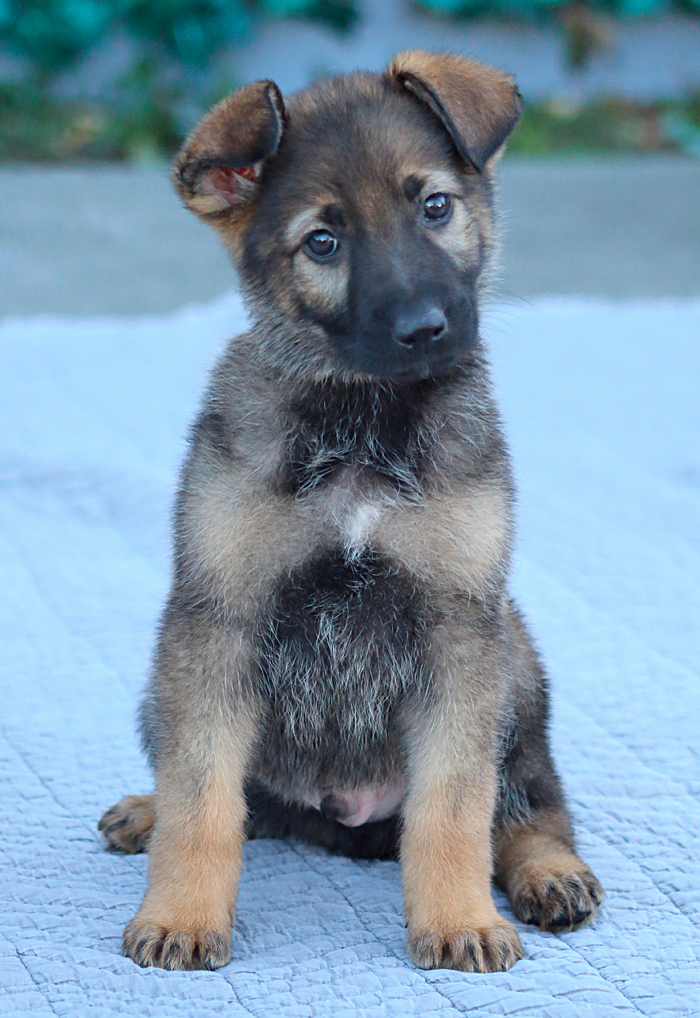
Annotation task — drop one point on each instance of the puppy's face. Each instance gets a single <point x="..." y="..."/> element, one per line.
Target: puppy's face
<point x="367" y="230"/>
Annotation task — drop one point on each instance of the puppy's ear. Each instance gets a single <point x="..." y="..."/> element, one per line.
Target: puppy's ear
<point x="478" y="105"/>
<point x="218" y="169"/>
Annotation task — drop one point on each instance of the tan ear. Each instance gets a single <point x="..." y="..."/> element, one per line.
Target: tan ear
<point x="218" y="168"/>
<point x="478" y="105"/>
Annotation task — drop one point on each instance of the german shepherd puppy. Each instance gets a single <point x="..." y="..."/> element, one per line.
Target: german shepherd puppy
<point x="339" y="658"/>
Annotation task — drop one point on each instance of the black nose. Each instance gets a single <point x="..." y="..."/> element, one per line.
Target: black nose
<point x="420" y="326"/>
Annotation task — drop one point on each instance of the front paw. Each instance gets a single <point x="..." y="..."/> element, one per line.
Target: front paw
<point x="164" y="945"/>
<point x="471" y="948"/>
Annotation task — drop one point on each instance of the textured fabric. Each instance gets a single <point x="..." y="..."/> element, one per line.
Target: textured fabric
<point x="602" y="410"/>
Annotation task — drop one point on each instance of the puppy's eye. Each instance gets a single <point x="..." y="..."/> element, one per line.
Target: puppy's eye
<point x="437" y="206"/>
<point x="321" y="244"/>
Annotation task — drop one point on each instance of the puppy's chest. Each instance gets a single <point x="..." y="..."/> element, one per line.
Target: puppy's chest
<point x="348" y="461"/>
<point x="341" y="641"/>
<point x="340" y="646"/>
<point x="352" y="505"/>
<point x="352" y="439"/>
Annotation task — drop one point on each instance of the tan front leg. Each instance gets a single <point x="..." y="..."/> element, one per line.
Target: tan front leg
<point x="207" y="727"/>
<point x="187" y="913"/>
<point x="446" y="842"/>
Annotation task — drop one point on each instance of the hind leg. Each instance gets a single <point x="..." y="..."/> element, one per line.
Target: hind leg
<point x="535" y="860"/>
<point x="547" y="883"/>
<point x="127" y="826"/>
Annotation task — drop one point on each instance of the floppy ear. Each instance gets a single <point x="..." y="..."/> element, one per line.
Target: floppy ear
<point x="478" y="105"/>
<point x="218" y="168"/>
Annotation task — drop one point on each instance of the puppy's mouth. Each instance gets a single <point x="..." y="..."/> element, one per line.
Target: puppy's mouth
<point x="388" y="361"/>
<point x="433" y="366"/>
<point x="422" y="339"/>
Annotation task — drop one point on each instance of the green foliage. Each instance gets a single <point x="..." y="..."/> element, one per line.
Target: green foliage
<point x="146" y="125"/>
<point x="34" y="127"/>
<point x="191" y="30"/>
<point x="584" y="22"/>
<point x="610" y="126"/>
<point x="338" y="14"/>
<point x="173" y="42"/>
<point x="54" y="33"/>
<point x="533" y="8"/>
<point x="168" y="85"/>
<point x="475" y="8"/>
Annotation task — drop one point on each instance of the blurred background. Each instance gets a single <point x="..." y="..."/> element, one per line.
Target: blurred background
<point x="600" y="186"/>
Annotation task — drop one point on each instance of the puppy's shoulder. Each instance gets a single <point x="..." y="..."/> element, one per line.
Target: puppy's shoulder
<point x="239" y="418"/>
<point x="469" y="447"/>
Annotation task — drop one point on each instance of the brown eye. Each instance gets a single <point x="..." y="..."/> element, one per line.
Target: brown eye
<point x="437" y="206"/>
<point x="321" y="244"/>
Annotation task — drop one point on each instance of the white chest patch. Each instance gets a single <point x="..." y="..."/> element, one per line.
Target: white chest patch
<point x="358" y="525"/>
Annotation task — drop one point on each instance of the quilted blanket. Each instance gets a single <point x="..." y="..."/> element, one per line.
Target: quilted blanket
<point x="602" y="408"/>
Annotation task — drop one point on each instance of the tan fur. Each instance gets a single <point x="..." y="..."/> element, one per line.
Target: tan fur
<point x="227" y="137"/>
<point x="323" y="287"/>
<point x="250" y="111"/>
<point x="481" y="101"/>
<point x="460" y="238"/>
<point x="306" y="221"/>
<point x="446" y="844"/>
<point x="195" y="859"/>
<point x="127" y="826"/>
<point x="459" y="541"/>
<point x="462" y="235"/>
<point x="235" y="551"/>
<point x="232" y="231"/>
<point x="446" y="868"/>
<point x="543" y="875"/>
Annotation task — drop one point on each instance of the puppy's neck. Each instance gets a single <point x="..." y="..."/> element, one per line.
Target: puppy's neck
<point x="372" y="428"/>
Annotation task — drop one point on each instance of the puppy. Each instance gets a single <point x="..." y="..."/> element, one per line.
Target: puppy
<point x="339" y="658"/>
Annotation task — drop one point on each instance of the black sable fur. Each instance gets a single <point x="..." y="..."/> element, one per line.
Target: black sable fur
<point x="341" y="653"/>
<point x="379" y="427"/>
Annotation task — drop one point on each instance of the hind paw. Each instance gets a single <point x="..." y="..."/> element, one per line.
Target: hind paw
<point x="127" y="826"/>
<point x="556" y="899"/>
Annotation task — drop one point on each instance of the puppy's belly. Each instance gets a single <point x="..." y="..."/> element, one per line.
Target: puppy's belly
<point x="341" y="654"/>
<point x="361" y="805"/>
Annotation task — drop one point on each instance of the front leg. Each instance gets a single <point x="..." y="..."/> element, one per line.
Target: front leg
<point x="207" y="728"/>
<point x="446" y="850"/>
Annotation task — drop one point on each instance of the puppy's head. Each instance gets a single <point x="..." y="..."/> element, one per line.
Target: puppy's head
<point x="360" y="216"/>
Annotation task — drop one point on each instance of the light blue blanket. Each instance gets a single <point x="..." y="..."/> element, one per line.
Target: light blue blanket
<point x="602" y="403"/>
